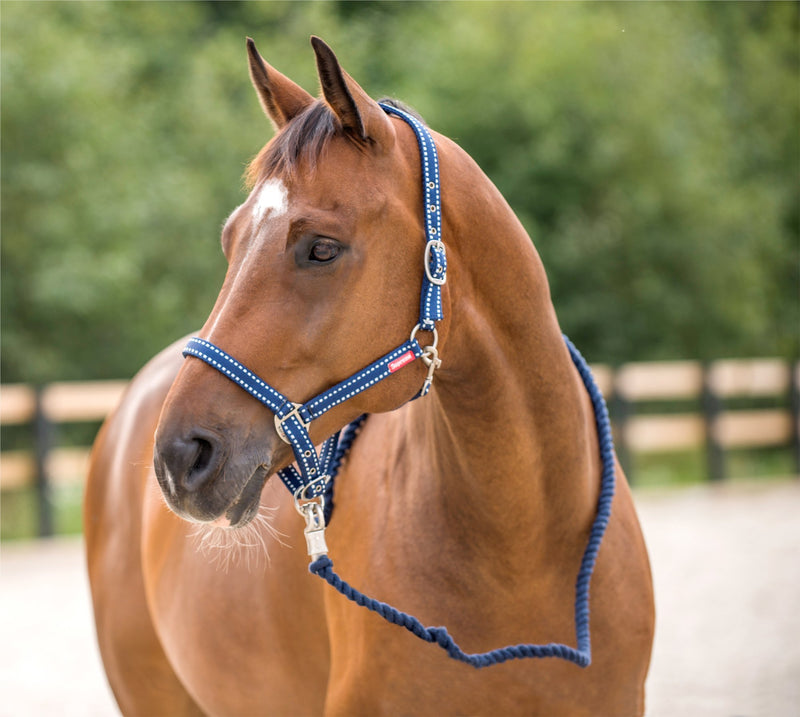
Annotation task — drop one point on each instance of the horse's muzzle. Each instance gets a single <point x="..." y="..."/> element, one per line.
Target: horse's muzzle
<point x="203" y="481"/>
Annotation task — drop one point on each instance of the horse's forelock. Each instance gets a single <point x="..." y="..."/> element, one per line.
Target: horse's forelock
<point x="303" y="139"/>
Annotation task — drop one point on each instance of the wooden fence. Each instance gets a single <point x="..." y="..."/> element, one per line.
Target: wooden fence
<point x="638" y="395"/>
<point x="44" y="408"/>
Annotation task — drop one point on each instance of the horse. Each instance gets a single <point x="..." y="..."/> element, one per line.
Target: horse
<point x="469" y="507"/>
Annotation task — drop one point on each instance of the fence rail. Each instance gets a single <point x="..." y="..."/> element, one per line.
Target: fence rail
<point x="635" y="392"/>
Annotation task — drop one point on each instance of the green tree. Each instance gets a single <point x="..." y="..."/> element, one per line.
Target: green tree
<point x="651" y="150"/>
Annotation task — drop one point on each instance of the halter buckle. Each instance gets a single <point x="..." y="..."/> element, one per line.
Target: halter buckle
<point x="280" y="420"/>
<point x="438" y="275"/>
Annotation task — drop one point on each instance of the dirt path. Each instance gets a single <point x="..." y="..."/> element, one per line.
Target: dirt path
<point x="726" y="562"/>
<point x="726" y="566"/>
<point x="49" y="664"/>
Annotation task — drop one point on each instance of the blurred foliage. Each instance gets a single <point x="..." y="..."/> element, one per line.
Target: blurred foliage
<point x="19" y="511"/>
<point x="651" y="149"/>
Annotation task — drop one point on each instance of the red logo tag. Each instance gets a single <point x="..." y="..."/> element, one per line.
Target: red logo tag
<point x="401" y="361"/>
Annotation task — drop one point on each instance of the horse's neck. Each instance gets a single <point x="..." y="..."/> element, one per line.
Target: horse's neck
<point x="508" y="432"/>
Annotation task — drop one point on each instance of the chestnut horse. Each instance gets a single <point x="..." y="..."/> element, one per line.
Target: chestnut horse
<point x="469" y="508"/>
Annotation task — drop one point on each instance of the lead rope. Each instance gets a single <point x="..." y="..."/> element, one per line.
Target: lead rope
<point x="322" y="565"/>
<point x="311" y="483"/>
<point x="343" y="448"/>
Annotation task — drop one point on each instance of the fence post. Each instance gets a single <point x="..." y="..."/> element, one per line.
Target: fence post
<point x="43" y="441"/>
<point x="620" y="410"/>
<point x="712" y="407"/>
<point x="794" y="387"/>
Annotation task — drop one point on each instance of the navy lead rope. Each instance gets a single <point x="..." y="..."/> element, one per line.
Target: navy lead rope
<point x="582" y="655"/>
<point x="311" y="483"/>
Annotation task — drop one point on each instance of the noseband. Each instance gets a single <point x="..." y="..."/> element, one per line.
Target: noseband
<point x="312" y="481"/>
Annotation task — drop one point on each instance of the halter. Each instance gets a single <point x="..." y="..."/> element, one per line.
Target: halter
<point x="311" y="482"/>
<point x="313" y="472"/>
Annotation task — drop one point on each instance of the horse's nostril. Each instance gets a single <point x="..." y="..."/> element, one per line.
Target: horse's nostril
<point x="200" y="462"/>
<point x="204" y="454"/>
<point x="191" y="462"/>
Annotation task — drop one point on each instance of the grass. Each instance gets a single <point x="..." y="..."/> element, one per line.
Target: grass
<point x="19" y="512"/>
<point x="690" y="467"/>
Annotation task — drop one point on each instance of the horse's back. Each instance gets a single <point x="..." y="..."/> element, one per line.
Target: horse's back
<point x="140" y="674"/>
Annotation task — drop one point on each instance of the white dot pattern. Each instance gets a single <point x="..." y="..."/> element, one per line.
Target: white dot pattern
<point x="293" y="425"/>
<point x="431" y="298"/>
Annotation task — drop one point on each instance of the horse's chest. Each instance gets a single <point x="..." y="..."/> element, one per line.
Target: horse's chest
<point x="248" y="637"/>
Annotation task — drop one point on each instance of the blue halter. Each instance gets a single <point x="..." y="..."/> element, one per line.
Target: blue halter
<point x="311" y="483"/>
<point x="313" y="471"/>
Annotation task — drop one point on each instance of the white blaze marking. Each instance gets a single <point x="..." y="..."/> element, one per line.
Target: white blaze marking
<point x="272" y="197"/>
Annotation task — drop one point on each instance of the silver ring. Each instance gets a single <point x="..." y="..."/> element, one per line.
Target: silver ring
<point x="433" y="331"/>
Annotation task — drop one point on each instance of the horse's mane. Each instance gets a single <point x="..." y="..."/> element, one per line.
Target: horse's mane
<point x="302" y="139"/>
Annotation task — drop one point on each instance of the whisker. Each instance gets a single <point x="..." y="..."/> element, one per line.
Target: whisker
<point x="247" y="546"/>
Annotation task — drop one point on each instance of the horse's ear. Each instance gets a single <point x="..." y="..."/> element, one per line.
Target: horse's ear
<point x="281" y="98"/>
<point x="356" y="110"/>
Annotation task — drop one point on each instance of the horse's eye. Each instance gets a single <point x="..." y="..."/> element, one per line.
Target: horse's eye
<point x="323" y="251"/>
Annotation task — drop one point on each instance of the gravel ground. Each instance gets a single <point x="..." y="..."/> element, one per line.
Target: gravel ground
<point x="726" y="564"/>
<point x="726" y="567"/>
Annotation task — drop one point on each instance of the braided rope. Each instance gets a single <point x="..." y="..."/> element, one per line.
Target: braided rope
<point x="342" y="449"/>
<point x="582" y="655"/>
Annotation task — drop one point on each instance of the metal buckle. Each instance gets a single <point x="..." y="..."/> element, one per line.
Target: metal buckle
<point x="279" y="421"/>
<point x="435" y="244"/>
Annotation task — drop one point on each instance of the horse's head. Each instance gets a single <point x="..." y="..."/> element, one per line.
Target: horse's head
<point x="324" y="276"/>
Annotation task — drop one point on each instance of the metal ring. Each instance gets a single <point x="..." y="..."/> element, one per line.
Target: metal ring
<point x="433" y="330"/>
